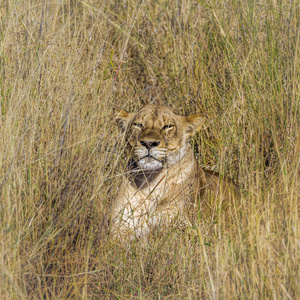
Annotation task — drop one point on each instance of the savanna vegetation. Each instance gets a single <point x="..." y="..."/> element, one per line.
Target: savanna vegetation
<point x="64" y="66"/>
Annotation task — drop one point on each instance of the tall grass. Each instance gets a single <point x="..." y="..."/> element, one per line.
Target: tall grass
<point x="65" y="64"/>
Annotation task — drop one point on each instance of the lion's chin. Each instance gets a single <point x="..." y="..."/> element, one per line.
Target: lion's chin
<point x="149" y="163"/>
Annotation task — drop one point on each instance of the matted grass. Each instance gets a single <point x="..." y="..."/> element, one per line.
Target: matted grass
<point x="65" y="64"/>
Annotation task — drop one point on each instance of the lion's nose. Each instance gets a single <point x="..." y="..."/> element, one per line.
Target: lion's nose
<point x="150" y="144"/>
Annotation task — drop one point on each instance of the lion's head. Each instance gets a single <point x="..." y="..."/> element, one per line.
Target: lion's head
<point x="157" y="135"/>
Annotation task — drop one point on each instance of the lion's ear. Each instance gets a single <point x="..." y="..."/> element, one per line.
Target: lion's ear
<point x="122" y="117"/>
<point x="193" y="123"/>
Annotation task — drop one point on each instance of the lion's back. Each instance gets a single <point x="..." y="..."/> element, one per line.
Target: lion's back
<point x="217" y="195"/>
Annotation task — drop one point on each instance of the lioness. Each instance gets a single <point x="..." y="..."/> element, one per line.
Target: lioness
<point x="163" y="181"/>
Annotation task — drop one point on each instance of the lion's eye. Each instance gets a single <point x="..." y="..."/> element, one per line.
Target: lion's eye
<point x="138" y="125"/>
<point x="168" y="127"/>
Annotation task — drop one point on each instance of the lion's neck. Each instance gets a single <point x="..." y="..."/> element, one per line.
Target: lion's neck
<point x="143" y="178"/>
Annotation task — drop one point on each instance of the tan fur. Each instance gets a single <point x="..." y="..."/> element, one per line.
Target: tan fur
<point x="163" y="183"/>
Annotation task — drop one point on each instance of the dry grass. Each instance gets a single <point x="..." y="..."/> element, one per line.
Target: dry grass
<point x="65" y="64"/>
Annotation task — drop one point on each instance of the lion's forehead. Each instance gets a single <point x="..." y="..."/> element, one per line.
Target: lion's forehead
<point x="156" y="115"/>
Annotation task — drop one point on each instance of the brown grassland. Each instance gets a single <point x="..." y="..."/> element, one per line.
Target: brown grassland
<point x="65" y="64"/>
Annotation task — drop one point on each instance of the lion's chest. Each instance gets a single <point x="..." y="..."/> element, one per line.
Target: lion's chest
<point x="155" y="205"/>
